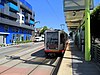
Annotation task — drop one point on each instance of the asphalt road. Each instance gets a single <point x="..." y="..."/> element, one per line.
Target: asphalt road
<point x="32" y="60"/>
<point x="17" y="48"/>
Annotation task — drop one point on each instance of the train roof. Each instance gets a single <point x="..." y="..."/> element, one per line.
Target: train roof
<point x="58" y="31"/>
<point x="55" y="30"/>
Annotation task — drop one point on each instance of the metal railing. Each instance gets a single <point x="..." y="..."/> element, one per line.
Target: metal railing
<point x="23" y="4"/>
<point x="26" y="4"/>
<point x="14" y="23"/>
<point x="11" y="14"/>
<point x="95" y="53"/>
<point x="13" y="1"/>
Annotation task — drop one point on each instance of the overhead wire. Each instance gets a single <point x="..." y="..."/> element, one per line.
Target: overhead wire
<point x="54" y="12"/>
<point x="52" y="9"/>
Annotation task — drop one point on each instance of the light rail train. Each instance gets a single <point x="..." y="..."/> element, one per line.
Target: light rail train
<point x="55" y="42"/>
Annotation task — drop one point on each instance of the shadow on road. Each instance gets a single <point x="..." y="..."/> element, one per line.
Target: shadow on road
<point x="39" y="53"/>
<point x="40" y="59"/>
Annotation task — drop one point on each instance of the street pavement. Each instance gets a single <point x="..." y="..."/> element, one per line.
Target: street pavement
<point x="73" y="63"/>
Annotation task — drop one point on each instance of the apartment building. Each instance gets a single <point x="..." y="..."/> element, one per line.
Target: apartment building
<point x="16" y="21"/>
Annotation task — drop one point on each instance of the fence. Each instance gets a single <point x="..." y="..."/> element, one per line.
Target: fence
<point x="95" y="53"/>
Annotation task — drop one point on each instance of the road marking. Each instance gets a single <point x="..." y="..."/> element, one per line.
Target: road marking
<point x="16" y="52"/>
<point x="28" y="52"/>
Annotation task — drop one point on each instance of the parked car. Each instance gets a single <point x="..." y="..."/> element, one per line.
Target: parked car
<point x="42" y="37"/>
<point x="38" y="39"/>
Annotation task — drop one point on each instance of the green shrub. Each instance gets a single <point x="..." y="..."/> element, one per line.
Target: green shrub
<point x="25" y="41"/>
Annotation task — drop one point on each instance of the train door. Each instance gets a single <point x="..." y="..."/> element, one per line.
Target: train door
<point x="62" y="41"/>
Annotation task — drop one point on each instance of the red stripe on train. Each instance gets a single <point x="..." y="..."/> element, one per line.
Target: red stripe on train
<point x="56" y="51"/>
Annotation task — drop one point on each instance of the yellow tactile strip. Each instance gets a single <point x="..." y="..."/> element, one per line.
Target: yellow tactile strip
<point x="66" y="64"/>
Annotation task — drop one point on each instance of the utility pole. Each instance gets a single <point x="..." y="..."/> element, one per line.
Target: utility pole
<point x="87" y="31"/>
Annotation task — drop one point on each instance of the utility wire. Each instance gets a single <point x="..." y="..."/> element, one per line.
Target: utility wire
<point x="62" y="25"/>
<point x="52" y="9"/>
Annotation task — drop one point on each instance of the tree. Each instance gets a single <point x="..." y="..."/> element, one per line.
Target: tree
<point x="71" y="33"/>
<point x="43" y="30"/>
<point x="95" y="21"/>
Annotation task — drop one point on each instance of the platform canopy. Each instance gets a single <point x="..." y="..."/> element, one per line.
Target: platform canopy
<point x="74" y="12"/>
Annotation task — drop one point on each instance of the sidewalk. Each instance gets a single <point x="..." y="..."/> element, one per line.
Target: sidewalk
<point x="7" y="46"/>
<point x="73" y="63"/>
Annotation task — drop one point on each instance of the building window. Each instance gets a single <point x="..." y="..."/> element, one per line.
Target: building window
<point x="26" y="37"/>
<point x="23" y="18"/>
<point x="13" y="29"/>
<point x="2" y="2"/>
<point x="13" y="36"/>
<point x="29" y="32"/>
<point x="6" y="28"/>
<point x="17" y="30"/>
<point x="26" y="31"/>
<point x="22" y="30"/>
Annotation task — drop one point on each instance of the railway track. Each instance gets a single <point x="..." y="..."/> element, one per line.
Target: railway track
<point x="10" y="68"/>
<point x="37" y="64"/>
<point x="17" y="53"/>
<point x="25" y="57"/>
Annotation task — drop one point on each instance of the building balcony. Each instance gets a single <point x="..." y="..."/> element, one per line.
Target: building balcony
<point x="31" y="22"/>
<point x="1" y="6"/>
<point x="13" y="6"/>
<point x="14" y="23"/>
<point x="26" y="4"/>
<point x="2" y="10"/>
<point x="31" y="18"/>
<point x="25" y="7"/>
<point x="27" y="26"/>
<point x="26" y="22"/>
<point x="26" y="15"/>
<point x="15" y="1"/>
<point x="11" y="14"/>
<point x="8" y="22"/>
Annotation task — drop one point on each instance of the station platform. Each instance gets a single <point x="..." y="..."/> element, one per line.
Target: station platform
<point x="73" y="63"/>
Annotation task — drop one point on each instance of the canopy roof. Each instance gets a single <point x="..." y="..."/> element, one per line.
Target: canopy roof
<point x="74" y="12"/>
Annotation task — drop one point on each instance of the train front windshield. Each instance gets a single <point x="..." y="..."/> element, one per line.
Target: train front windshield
<point x="52" y="40"/>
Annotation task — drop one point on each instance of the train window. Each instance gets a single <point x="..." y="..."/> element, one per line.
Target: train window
<point x="52" y="37"/>
<point x="52" y="40"/>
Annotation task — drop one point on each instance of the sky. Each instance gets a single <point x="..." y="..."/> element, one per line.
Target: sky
<point x="50" y="13"/>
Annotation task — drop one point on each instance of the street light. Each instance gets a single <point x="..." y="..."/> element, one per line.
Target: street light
<point x="34" y="25"/>
<point x="62" y="26"/>
<point x="36" y="22"/>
